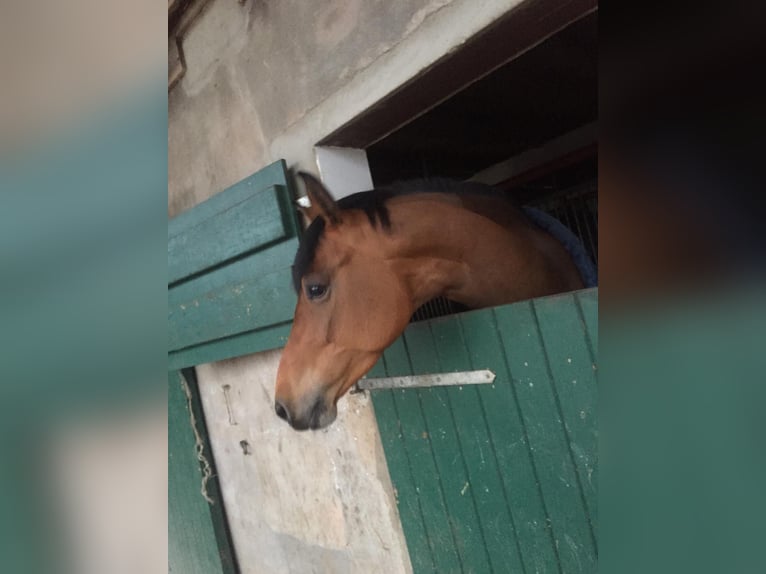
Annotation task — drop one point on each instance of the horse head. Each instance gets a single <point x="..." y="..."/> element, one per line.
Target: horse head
<point x="351" y="305"/>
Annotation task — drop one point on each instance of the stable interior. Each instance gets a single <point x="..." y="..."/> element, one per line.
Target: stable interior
<point x="528" y="128"/>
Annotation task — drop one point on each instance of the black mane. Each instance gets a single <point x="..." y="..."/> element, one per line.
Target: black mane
<point x="373" y="203"/>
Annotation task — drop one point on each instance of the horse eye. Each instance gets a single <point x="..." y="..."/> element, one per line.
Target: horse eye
<point x="315" y="291"/>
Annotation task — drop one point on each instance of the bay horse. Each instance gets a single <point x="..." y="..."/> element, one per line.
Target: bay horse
<point x="369" y="260"/>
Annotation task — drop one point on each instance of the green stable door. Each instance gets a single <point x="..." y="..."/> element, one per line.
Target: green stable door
<point x="498" y="477"/>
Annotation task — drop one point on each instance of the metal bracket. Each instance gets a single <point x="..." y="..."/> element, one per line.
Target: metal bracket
<point x="480" y="377"/>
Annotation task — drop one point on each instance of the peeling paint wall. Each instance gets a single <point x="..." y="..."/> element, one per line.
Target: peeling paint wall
<point x="267" y="80"/>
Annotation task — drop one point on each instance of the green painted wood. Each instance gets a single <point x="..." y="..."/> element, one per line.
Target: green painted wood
<point x="454" y="482"/>
<point x="250" y="294"/>
<point x="422" y="466"/>
<point x="405" y="489"/>
<point x="193" y="546"/>
<point x="261" y="301"/>
<point x="499" y="459"/>
<point x="274" y="258"/>
<point x="548" y="441"/>
<point x="474" y="435"/>
<point x="570" y="362"/>
<point x="272" y="337"/>
<point x="274" y="174"/>
<point x="252" y="222"/>
<point x="588" y="301"/>
<point x="229" y="260"/>
<point x="508" y="437"/>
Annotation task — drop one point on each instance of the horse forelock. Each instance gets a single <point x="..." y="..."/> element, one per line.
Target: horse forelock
<point x="371" y="203"/>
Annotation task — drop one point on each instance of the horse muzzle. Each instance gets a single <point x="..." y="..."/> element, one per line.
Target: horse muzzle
<point x="317" y="416"/>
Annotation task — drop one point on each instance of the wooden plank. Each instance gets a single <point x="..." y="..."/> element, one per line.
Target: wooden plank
<point x="548" y="441"/>
<point x="407" y="501"/>
<point x="230" y="259"/>
<point x="224" y="317"/>
<point x="422" y="466"/>
<point x="273" y="174"/>
<point x="442" y="433"/>
<point x="240" y="228"/>
<point x="243" y="306"/>
<point x="588" y="301"/>
<point x="510" y="445"/>
<point x="276" y="257"/>
<point x="192" y="545"/>
<point x="571" y="365"/>
<point x="407" y="497"/>
<point x="272" y="337"/>
<point x="485" y="485"/>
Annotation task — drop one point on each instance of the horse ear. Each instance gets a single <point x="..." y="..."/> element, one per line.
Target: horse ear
<point x="322" y="203"/>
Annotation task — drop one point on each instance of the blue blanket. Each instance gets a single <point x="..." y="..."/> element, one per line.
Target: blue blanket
<point x="570" y="241"/>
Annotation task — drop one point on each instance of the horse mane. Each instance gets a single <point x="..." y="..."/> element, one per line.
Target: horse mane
<point x="373" y="203"/>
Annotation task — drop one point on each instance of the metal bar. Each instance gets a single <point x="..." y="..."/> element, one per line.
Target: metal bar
<point x="434" y="380"/>
<point x="579" y="210"/>
<point x="574" y="209"/>
<point x="585" y="214"/>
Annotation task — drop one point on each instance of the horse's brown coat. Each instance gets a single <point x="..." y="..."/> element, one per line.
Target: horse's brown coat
<point x="478" y="250"/>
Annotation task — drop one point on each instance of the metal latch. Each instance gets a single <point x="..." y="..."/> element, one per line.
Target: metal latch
<point x="480" y="377"/>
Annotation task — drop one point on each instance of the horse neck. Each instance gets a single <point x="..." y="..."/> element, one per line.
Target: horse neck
<point x="440" y="248"/>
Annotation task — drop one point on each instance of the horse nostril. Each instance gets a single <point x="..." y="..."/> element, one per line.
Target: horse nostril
<point x="281" y="411"/>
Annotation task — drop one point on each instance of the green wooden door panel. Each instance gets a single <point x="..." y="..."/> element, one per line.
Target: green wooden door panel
<point x="270" y="337"/>
<point x="547" y="438"/>
<point x="508" y="440"/>
<point x="407" y="499"/>
<point x="476" y="449"/>
<point x="253" y="222"/>
<point x="252" y="266"/>
<point x="272" y="175"/>
<point x="588" y="301"/>
<point x="454" y="482"/>
<point x="571" y="362"/>
<point x="230" y="291"/>
<point x="500" y="477"/>
<point x="422" y="467"/>
<point x="192" y="545"/>
<point x="262" y="300"/>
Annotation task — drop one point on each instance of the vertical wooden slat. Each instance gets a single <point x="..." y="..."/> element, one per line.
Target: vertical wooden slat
<point x="437" y="411"/>
<point x="484" y="477"/>
<point x="192" y="543"/>
<point x="253" y="221"/>
<point x="571" y="365"/>
<point x="527" y="361"/>
<point x="588" y="301"/>
<point x="423" y="468"/>
<point x="407" y="498"/>
<point x="510" y="444"/>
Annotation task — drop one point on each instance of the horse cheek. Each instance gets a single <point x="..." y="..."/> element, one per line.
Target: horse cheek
<point x="378" y="318"/>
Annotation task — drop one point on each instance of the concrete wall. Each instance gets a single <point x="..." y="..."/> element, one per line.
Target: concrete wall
<point x="255" y="70"/>
<point x="299" y="502"/>
<point x="267" y="80"/>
